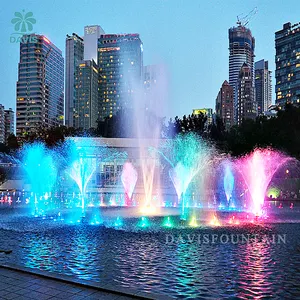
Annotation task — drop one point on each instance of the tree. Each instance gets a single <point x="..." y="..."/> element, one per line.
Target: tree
<point x="12" y="142"/>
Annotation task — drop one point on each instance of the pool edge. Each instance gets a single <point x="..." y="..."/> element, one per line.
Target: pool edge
<point x="84" y="283"/>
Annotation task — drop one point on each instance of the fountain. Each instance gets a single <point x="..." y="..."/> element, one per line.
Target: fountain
<point x="129" y="178"/>
<point x="82" y="160"/>
<point x="188" y="155"/>
<point x="41" y="171"/>
<point x="81" y="169"/>
<point x="257" y="169"/>
<point x="188" y="161"/>
<point x="228" y="182"/>
<point x="81" y="172"/>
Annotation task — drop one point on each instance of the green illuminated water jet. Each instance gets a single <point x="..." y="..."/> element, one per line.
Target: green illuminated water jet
<point x="188" y="155"/>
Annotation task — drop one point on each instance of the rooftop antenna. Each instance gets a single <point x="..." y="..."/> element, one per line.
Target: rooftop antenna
<point x="243" y="21"/>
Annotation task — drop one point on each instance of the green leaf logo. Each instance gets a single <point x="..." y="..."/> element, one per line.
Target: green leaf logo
<point x="23" y="22"/>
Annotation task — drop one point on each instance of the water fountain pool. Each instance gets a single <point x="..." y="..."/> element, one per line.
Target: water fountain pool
<point x="188" y="163"/>
<point x="162" y="251"/>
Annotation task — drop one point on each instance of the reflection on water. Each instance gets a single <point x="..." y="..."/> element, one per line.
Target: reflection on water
<point x="254" y="271"/>
<point x="144" y="261"/>
<point x="42" y="252"/>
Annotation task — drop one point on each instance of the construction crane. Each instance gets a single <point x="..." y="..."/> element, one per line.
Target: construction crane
<point x="243" y="21"/>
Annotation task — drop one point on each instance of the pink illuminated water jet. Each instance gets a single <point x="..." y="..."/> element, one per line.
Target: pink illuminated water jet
<point x="129" y="178"/>
<point x="258" y="169"/>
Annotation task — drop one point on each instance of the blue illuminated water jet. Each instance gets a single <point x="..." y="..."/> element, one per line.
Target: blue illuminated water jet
<point x="41" y="171"/>
<point x="228" y="183"/>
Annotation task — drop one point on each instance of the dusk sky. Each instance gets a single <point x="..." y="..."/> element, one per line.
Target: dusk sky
<point x="189" y="36"/>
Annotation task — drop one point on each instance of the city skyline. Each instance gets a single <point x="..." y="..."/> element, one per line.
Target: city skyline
<point x="204" y="72"/>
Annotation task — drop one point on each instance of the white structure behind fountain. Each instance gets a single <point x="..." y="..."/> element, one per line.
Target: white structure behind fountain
<point x="106" y="184"/>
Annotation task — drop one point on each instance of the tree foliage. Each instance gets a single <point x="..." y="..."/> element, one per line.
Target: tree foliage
<point x="280" y="132"/>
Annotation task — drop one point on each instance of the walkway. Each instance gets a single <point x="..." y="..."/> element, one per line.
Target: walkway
<point x="21" y="285"/>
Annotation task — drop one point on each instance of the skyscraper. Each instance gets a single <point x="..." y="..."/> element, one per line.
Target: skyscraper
<point x="287" y="59"/>
<point x="241" y="50"/>
<point x="40" y="86"/>
<point x="155" y="88"/>
<point x="74" y="54"/>
<point x="2" y="124"/>
<point x="246" y="107"/>
<point x="263" y="86"/>
<point x="86" y="95"/>
<point x="6" y="123"/>
<point x="224" y="104"/>
<point x="120" y="62"/>
<point x="150" y="81"/>
<point x="9" y="120"/>
<point x="91" y="36"/>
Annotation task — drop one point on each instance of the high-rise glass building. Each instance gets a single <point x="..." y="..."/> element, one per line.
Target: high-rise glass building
<point x="263" y="86"/>
<point x="86" y="95"/>
<point x="224" y="104"/>
<point x="40" y="85"/>
<point x="241" y="50"/>
<point x="74" y="54"/>
<point x="2" y="124"/>
<point x="287" y="59"/>
<point x="6" y="123"/>
<point x="91" y="36"/>
<point x="246" y="107"/>
<point x="9" y="120"/>
<point x="120" y="62"/>
<point x="155" y="88"/>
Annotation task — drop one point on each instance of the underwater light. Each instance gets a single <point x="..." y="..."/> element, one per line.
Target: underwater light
<point x="144" y="222"/>
<point x="193" y="222"/>
<point x="215" y="221"/>
<point x="168" y="223"/>
<point x="118" y="222"/>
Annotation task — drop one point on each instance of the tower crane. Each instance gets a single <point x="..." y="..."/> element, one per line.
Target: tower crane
<point x="243" y="21"/>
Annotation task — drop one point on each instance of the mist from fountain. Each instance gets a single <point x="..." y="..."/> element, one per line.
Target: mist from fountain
<point x="148" y="107"/>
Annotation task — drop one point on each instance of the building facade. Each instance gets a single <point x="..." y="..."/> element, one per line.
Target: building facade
<point x="107" y="177"/>
<point x="120" y="62"/>
<point x="40" y="85"/>
<point x="263" y="86"/>
<point x="2" y="124"/>
<point x="155" y="88"/>
<point x="91" y="36"/>
<point x="246" y="107"/>
<point x="6" y="123"/>
<point x="241" y="50"/>
<point x="224" y="105"/>
<point x="287" y="59"/>
<point x="9" y="122"/>
<point x="86" y="95"/>
<point x="74" y="54"/>
<point x="206" y="111"/>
